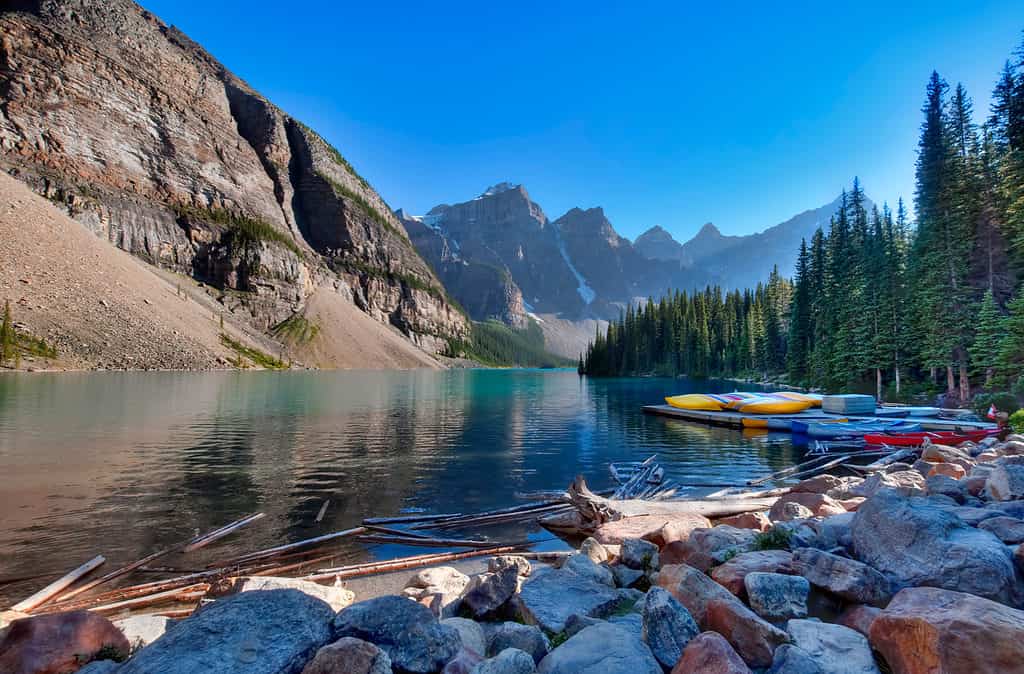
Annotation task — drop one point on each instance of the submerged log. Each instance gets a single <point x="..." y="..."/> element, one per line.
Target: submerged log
<point x="217" y="534"/>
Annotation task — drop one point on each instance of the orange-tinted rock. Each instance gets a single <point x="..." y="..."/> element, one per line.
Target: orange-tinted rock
<point x="354" y="656"/>
<point x="927" y="630"/>
<point x="976" y="484"/>
<point x="731" y="574"/>
<point x="987" y="456"/>
<point x="58" y="643"/>
<point x="674" y="553"/>
<point x="859" y="617"/>
<point x="948" y="469"/>
<point x="707" y="548"/>
<point x="710" y="653"/>
<point x="758" y="521"/>
<point x="851" y="504"/>
<point x="693" y="589"/>
<point x="463" y="662"/>
<point x="649" y="527"/>
<point x="754" y="638"/>
<point x="819" y="504"/>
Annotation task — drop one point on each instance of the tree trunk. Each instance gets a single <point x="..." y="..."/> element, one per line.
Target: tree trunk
<point x="965" y="382"/>
<point x="878" y="383"/>
<point x="897" y="379"/>
<point x="988" y="377"/>
<point x="950" y="380"/>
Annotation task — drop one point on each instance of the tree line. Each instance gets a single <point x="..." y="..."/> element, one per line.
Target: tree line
<point x="876" y="302"/>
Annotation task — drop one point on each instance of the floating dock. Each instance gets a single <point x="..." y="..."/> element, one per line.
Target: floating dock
<point x="735" y="419"/>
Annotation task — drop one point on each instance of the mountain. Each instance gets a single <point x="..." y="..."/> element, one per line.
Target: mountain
<point x="141" y="136"/>
<point x="739" y="261"/>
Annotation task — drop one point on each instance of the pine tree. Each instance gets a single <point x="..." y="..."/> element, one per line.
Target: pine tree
<point x="799" y="340"/>
<point x="1010" y="362"/>
<point x="988" y="333"/>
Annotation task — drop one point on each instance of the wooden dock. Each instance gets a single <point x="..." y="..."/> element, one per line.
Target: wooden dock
<point x="735" y="419"/>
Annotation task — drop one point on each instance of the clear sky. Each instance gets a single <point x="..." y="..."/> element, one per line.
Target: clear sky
<point x="676" y="114"/>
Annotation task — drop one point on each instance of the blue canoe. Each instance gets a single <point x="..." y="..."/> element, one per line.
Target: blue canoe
<point x="857" y="429"/>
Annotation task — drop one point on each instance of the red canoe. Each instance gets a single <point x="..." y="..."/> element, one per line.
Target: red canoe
<point x="936" y="438"/>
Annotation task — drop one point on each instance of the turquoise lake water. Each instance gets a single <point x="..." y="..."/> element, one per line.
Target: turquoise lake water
<point x="122" y="464"/>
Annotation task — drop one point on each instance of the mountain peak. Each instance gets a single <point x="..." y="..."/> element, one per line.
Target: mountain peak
<point x="499" y="188"/>
<point x="709" y="229"/>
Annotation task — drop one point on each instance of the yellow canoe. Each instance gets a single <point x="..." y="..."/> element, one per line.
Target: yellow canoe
<point x="775" y="406"/>
<point x="748" y="422"/>
<point x="739" y="398"/>
<point x="813" y="399"/>
<point x="694" y="401"/>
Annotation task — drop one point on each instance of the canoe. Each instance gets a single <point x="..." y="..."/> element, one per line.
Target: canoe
<point x="859" y="429"/>
<point x="800" y="427"/>
<point x="749" y="422"/>
<point x="813" y="398"/>
<point x="935" y="437"/>
<point x="694" y="401"/>
<point x="774" y="406"/>
<point x="738" y="399"/>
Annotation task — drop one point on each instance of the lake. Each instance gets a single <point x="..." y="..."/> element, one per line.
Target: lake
<point x="123" y="464"/>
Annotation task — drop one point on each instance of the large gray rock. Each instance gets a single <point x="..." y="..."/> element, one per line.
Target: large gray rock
<point x="1006" y="481"/>
<point x="601" y="649"/>
<point x="548" y="598"/>
<point x="487" y="593"/>
<point x="594" y="550"/>
<point x="271" y="632"/>
<point x="142" y="630"/>
<point x="471" y="633"/>
<point x="627" y="577"/>
<point x="637" y="553"/>
<point x="667" y="626"/>
<point x="777" y="596"/>
<point x="846" y="578"/>
<point x="336" y="597"/>
<point x="944" y="485"/>
<point x="1009" y="530"/>
<point x="509" y="661"/>
<point x="915" y="543"/>
<point x="100" y="667"/>
<point x="527" y="638"/>
<point x="707" y="548"/>
<point x="349" y="655"/>
<point x="789" y="659"/>
<point x="906" y="483"/>
<point x="408" y="632"/>
<point x="502" y="562"/>
<point x="836" y="649"/>
<point x="583" y="566"/>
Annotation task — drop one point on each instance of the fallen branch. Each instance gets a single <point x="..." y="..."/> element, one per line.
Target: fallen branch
<point x="402" y="564"/>
<point x="407" y="518"/>
<point x="429" y="542"/>
<point x="56" y="587"/>
<point x="217" y="534"/>
<point x="183" y="594"/>
<point x="272" y="552"/>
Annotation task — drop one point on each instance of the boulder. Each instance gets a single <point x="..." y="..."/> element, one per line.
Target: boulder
<point x="693" y="589"/>
<point x="601" y="649"/>
<point x="710" y="653"/>
<point x="916" y="543"/>
<point x="471" y="634"/>
<point x="758" y="521"/>
<point x="906" y="483"/>
<point x="142" y="630"/>
<point x="1009" y="530"/>
<point x="349" y="656"/>
<point x="549" y="598"/>
<point x="637" y="553"/>
<point x="707" y="548"/>
<point x="59" y="643"/>
<point x="944" y="454"/>
<point x="776" y="596"/>
<point x="509" y="661"/>
<point x="754" y="638"/>
<point x="667" y="626"/>
<point x="594" y="550"/>
<point x="975" y="484"/>
<point x="631" y="621"/>
<point x="408" y="632"/>
<point x="819" y="505"/>
<point x="967" y="514"/>
<point x="928" y="630"/>
<point x="445" y="578"/>
<point x="650" y="527"/>
<point x="831" y="532"/>
<point x="577" y="623"/>
<point x="952" y="470"/>
<point x="851" y="504"/>
<point x="859" y="617"/>
<point x="627" y="577"/>
<point x="335" y="597"/>
<point x="731" y="574"/>
<point x="100" y="667"/>
<point x="791" y="511"/>
<point x="501" y="562"/>
<point x="835" y="649"/>
<point x="527" y="638"/>
<point x="265" y="632"/>
<point x="820" y="484"/>
<point x="846" y="578"/>
<point x="943" y="485"/>
<point x="487" y="593"/>
<point x="789" y="659"/>
<point x="1006" y="482"/>
<point x="463" y="662"/>
<point x="583" y="566"/>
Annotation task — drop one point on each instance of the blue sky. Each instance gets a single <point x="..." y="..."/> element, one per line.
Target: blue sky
<point x="662" y="113"/>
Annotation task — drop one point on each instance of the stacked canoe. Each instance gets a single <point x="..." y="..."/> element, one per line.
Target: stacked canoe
<point x="785" y="402"/>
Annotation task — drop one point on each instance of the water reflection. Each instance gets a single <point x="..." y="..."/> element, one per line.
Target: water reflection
<point x="121" y="464"/>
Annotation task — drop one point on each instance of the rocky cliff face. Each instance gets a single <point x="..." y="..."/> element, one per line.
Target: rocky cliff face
<point x="146" y="139"/>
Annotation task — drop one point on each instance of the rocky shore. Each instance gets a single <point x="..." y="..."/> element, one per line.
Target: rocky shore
<point x="914" y="569"/>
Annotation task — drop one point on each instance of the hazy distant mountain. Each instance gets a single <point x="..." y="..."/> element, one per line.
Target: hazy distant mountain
<point x="739" y="261"/>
